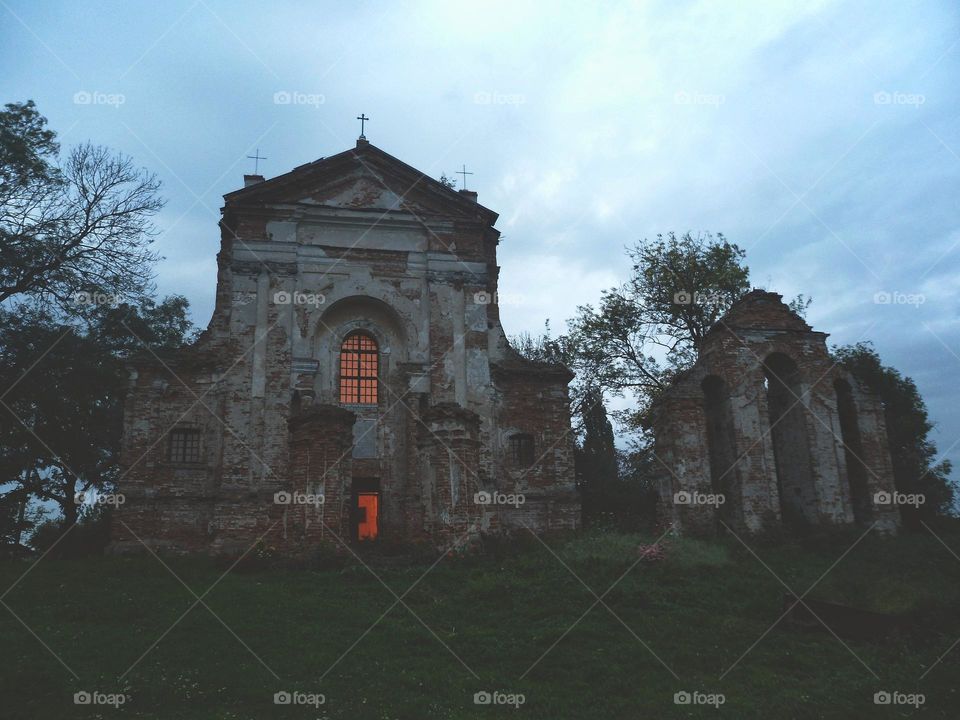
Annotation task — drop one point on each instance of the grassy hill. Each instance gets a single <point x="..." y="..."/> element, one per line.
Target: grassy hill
<point x="520" y="620"/>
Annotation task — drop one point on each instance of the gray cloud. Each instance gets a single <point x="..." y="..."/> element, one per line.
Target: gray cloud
<point x="821" y="137"/>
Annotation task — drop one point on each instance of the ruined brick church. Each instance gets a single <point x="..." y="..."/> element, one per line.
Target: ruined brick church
<point x="354" y="382"/>
<point x="767" y="430"/>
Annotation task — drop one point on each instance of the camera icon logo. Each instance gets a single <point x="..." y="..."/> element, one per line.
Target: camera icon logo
<point x="282" y="698"/>
<point x="682" y="498"/>
<point x="482" y="698"/>
<point x="683" y="297"/>
<point x="282" y="97"/>
<point x="282" y="297"/>
<point x="282" y="498"/>
<point x="482" y="498"/>
<point x="882" y="697"/>
<point x="82" y="698"/>
<point x="482" y="298"/>
<point x="682" y="698"/>
<point x="882" y="497"/>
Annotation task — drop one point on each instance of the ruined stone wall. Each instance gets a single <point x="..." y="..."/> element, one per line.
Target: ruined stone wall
<point x="535" y="402"/>
<point x="784" y="430"/>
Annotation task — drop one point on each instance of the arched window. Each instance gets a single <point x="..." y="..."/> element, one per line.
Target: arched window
<point x="358" y="370"/>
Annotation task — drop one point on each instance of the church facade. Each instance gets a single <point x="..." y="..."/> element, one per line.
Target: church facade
<point x="354" y="382"/>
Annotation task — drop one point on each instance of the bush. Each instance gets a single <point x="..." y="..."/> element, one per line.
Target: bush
<point x="89" y="536"/>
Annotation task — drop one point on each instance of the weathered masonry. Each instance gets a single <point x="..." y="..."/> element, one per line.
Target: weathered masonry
<point x="354" y="382"/>
<point x="766" y="429"/>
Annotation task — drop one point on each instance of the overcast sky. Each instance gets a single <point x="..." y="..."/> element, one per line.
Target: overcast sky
<point x="823" y="137"/>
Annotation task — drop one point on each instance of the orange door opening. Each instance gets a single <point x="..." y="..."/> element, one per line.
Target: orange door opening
<point x="368" y="507"/>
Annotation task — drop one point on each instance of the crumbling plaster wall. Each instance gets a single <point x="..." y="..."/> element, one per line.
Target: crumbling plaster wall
<point x="738" y="352"/>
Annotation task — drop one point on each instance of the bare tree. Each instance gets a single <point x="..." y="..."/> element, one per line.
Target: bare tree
<point x="83" y="226"/>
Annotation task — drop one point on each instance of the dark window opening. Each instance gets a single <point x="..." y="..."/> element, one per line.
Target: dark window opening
<point x="521" y="450"/>
<point x="358" y="370"/>
<point x="184" y="445"/>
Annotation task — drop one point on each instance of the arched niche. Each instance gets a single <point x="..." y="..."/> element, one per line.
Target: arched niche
<point x="349" y="316"/>
<point x="721" y="440"/>
<point x="853" y="450"/>
<point x="791" y="441"/>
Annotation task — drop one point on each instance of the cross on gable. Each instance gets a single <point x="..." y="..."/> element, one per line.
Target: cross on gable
<point x="464" y="172"/>
<point x="256" y="157"/>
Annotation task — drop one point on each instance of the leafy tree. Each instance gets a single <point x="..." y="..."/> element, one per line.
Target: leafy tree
<point x="800" y="304"/>
<point x="18" y="518"/>
<point x="650" y="328"/>
<point x="62" y="410"/>
<point x="596" y="458"/>
<point x="915" y="465"/>
<point x="448" y="182"/>
<point x="27" y="149"/>
<point x="83" y="225"/>
<point x="74" y="245"/>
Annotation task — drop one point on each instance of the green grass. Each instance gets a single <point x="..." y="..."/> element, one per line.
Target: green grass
<point x="698" y="610"/>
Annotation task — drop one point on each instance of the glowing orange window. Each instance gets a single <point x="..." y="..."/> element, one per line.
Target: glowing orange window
<point x="358" y="370"/>
<point x="368" y="505"/>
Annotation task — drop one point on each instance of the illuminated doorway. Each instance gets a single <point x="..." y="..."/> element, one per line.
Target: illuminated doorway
<point x="366" y="510"/>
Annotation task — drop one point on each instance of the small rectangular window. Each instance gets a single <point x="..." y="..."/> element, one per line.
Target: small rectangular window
<point x="184" y="445"/>
<point x="521" y="450"/>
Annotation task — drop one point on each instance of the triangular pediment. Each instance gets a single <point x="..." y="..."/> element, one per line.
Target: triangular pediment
<point x="365" y="178"/>
<point x="762" y="310"/>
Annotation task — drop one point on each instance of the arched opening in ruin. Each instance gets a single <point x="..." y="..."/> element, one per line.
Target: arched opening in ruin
<point x="853" y="451"/>
<point x="721" y="441"/>
<point x="791" y="442"/>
